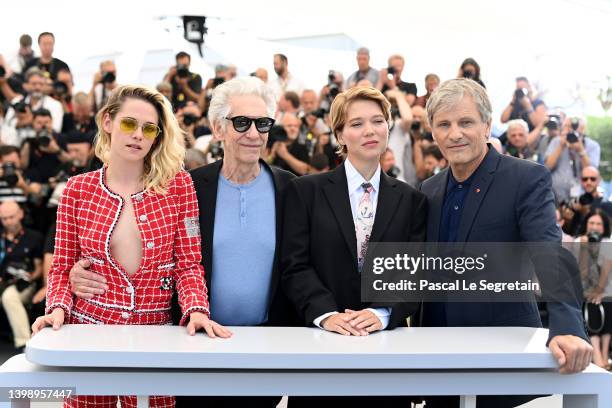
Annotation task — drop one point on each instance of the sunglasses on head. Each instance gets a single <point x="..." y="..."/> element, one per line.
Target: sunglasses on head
<point x="242" y="123"/>
<point x="589" y="178"/>
<point x="149" y="130"/>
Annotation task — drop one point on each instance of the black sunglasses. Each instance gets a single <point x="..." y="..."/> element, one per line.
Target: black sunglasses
<point x="243" y="123"/>
<point x="585" y="179"/>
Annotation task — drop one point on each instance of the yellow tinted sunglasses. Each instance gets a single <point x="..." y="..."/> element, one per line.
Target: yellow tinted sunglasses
<point x="149" y="130"/>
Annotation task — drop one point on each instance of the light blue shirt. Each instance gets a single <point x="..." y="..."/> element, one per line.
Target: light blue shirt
<point x="244" y="243"/>
<point x="354" y="180"/>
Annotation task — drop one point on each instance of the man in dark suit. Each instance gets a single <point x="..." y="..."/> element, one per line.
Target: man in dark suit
<point x="329" y="220"/>
<point x="487" y="197"/>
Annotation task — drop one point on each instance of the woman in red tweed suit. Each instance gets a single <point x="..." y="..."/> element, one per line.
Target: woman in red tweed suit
<point x="136" y="220"/>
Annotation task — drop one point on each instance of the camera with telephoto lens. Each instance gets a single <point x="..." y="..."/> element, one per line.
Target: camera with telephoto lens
<point x="468" y="74"/>
<point x="553" y="122"/>
<point x="586" y="199"/>
<point x="20" y="107"/>
<point x="189" y="119"/>
<point x="520" y="94"/>
<point x="60" y="89"/>
<point x="9" y="174"/>
<point x="416" y="126"/>
<point x="572" y="137"/>
<point x="108" y="78"/>
<point x="319" y="113"/>
<point x="44" y="138"/>
<point x="334" y="90"/>
<point x="182" y="71"/>
<point x="594" y="237"/>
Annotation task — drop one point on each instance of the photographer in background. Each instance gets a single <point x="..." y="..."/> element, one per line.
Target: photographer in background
<point x="20" y="269"/>
<point x="595" y="262"/>
<point x="364" y="70"/>
<point x="22" y="130"/>
<point x="335" y="85"/>
<point x="420" y="134"/>
<point x="23" y="57"/>
<point x="400" y="140"/>
<point x="81" y="119"/>
<point x="165" y="88"/>
<point x="285" y="151"/>
<point x="13" y="186"/>
<point x="222" y="73"/>
<point x="589" y="199"/>
<point x="525" y="105"/>
<point x="289" y="103"/>
<point x="313" y="120"/>
<point x="390" y="79"/>
<point x="520" y="142"/>
<point x="471" y="70"/>
<point x="432" y="81"/>
<point x="47" y="62"/>
<point x="567" y="155"/>
<point x="190" y="118"/>
<point x="36" y="99"/>
<point x="186" y="85"/>
<point x="42" y="155"/>
<point x="62" y="89"/>
<point x="104" y="81"/>
<point x="387" y="163"/>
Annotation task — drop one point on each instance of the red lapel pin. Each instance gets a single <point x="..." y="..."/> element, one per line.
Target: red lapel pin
<point x="478" y="190"/>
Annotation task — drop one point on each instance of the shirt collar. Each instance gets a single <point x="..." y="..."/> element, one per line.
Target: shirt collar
<point x="355" y="180"/>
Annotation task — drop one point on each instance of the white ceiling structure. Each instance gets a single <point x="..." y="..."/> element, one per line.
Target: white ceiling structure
<point x="563" y="46"/>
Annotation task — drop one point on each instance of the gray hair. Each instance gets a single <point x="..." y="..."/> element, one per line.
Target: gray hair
<point x="450" y="94"/>
<point x="518" y="123"/>
<point x="363" y="50"/>
<point x="34" y="71"/>
<point x="219" y="107"/>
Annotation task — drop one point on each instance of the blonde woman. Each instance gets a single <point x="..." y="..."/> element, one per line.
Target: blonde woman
<point x="136" y="221"/>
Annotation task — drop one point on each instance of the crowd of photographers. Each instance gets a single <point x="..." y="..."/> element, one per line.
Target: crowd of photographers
<point x="47" y="131"/>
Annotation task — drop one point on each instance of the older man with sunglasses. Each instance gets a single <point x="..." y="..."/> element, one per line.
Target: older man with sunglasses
<point x="239" y="199"/>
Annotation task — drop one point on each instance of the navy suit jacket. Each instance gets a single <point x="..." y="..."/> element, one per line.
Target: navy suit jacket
<point x="510" y="200"/>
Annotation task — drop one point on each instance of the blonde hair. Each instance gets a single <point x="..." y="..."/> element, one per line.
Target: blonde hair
<point x="341" y="104"/>
<point x="165" y="159"/>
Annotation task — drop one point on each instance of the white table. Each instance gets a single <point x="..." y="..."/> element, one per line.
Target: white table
<point x="164" y="360"/>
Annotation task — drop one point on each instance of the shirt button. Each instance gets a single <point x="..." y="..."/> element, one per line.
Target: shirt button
<point x="125" y="315"/>
<point x="150" y="244"/>
<point x="129" y="289"/>
<point x="456" y="207"/>
<point x="460" y="186"/>
<point x="143" y="218"/>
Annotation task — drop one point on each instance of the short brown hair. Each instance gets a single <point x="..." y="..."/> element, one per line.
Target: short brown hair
<point x="342" y="102"/>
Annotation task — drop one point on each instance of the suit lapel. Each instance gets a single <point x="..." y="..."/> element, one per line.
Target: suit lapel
<point x="206" y="189"/>
<point x="336" y="192"/>
<point x="478" y="190"/>
<point x="435" y="207"/>
<point x="278" y="214"/>
<point x="388" y="200"/>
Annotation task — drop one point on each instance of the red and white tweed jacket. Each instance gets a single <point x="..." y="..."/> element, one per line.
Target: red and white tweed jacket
<point x="170" y="232"/>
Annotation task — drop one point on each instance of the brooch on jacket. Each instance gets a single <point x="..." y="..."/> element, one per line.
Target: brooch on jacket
<point x="166" y="283"/>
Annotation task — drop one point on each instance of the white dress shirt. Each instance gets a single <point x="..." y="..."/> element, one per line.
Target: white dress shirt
<point x="354" y="181"/>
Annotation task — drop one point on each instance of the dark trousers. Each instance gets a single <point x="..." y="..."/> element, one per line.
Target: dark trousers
<point x="482" y="401"/>
<point x="227" y="402"/>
